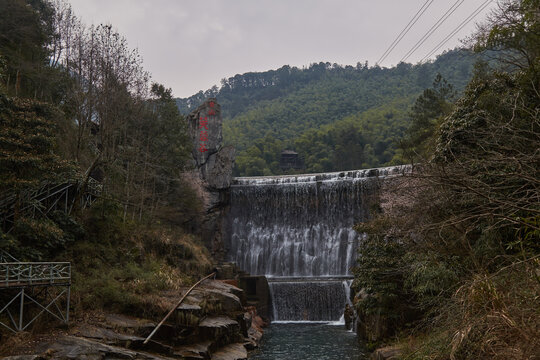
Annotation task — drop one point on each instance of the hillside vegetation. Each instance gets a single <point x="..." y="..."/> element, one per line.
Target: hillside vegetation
<point x="451" y="263"/>
<point x="77" y="111"/>
<point x="336" y="117"/>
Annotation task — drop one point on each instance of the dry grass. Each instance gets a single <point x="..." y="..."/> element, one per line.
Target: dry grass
<point x="490" y="317"/>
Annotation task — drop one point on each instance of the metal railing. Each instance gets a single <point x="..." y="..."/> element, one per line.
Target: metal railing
<point x="5" y="257"/>
<point x="18" y="284"/>
<point x="34" y="273"/>
<point x="46" y="198"/>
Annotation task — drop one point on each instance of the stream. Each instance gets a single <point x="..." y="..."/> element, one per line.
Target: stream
<point x="306" y="341"/>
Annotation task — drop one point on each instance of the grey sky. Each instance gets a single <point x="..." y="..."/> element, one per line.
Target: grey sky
<point x="191" y="45"/>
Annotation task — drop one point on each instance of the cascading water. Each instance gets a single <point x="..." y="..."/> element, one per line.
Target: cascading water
<point x="301" y="227"/>
<point x="307" y="300"/>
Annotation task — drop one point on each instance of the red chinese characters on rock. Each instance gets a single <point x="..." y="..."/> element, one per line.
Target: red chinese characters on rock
<point x="203" y="135"/>
<point x="212" y="111"/>
<point x="203" y="127"/>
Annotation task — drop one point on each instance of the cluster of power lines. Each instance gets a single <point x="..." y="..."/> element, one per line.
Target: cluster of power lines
<point x="431" y="30"/>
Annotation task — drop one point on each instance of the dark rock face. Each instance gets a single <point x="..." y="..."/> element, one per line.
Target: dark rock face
<point x="213" y="163"/>
<point x="205" y="131"/>
<point x="219" y="168"/>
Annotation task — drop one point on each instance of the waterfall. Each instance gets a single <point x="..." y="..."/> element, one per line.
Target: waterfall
<point x="307" y="300"/>
<point x="301" y="226"/>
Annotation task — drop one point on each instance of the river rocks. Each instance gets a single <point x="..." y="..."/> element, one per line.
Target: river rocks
<point x="200" y="350"/>
<point x="225" y="296"/>
<point x="71" y="347"/>
<point x="219" y="328"/>
<point x="105" y="335"/>
<point x="231" y="352"/>
<point x="222" y="330"/>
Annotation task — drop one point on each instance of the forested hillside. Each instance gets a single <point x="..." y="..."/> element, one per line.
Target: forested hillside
<point x="336" y="117"/>
<point x="79" y="117"/>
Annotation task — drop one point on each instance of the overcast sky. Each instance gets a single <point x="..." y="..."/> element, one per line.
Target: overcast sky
<point x="190" y="45"/>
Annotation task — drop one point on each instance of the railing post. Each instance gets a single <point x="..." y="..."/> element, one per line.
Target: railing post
<point x="67" y="306"/>
<point x="21" y="310"/>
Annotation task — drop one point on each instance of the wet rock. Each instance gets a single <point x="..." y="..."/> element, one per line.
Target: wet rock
<point x="250" y="344"/>
<point x="255" y="334"/>
<point x="225" y="286"/>
<point x="189" y="307"/>
<point x="220" y="331"/>
<point x="218" y="293"/>
<point x="70" y="348"/>
<point x="195" y="351"/>
<point x="231" y="352"/>
<point x="244" y="320"/>
<point x="229" y="302"/>
<point x="348" y="315"/>
<point x="189" y="314"/>
<point x="220" y="321"/>
<point x="129" y="325"/>
<point x="105" y="335"/>
<point x="226" y="272"/>
<point x="111" y="337"/>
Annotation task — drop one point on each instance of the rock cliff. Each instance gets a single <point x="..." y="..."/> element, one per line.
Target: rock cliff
<point x="212" y="176"/>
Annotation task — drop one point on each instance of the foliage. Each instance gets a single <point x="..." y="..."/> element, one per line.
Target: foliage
<point x="77" y="105"/>
<point x="515" y="31"/>
<point x="24" y="35"/>
<point x="125" y="268"/>
<point x="336" y="117"/>
<point x="27" y="142"/>
<point x="37" y="239"/>
<point x="467" y="220"/>
<point x="426" y="114"/>
<point x="101" y="113"/>
<point x="486" y="144"/>
<point x="379" y="273"/>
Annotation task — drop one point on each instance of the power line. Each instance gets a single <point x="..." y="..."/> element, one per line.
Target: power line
<point x="458" y="28"/>
<point x="435" y="26"/>
<point x="405" y="30"/>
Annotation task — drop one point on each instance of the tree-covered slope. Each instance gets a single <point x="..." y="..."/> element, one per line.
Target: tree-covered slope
<point x="336" y="117"/>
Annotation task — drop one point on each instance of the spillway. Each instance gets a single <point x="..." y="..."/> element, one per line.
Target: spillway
<point x="301" y="227"/>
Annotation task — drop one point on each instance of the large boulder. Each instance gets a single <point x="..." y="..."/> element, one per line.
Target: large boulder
<point x="212" y="177"/>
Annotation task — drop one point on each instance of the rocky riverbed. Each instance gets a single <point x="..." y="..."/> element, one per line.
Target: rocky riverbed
<point x="211" y="323"/>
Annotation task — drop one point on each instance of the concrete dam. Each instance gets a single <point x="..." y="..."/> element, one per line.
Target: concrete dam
<point x="297" y="230"/>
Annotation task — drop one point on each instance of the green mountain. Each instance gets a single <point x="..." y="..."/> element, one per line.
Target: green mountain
<point x="335" y="117"/>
